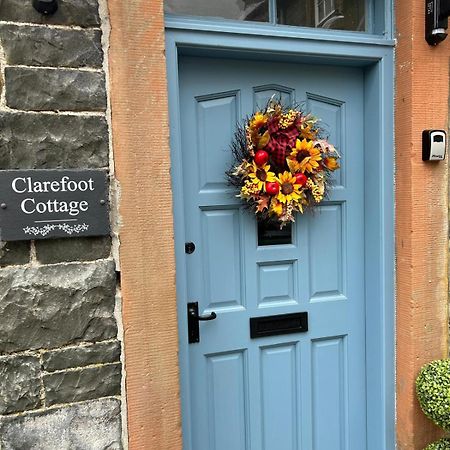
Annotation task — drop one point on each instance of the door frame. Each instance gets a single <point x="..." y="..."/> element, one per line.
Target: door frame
<point x="375" y="55"/>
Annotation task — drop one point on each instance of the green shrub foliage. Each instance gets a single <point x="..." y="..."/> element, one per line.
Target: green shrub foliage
<point x="442" y="444"/>
<point x="433" y="392"/>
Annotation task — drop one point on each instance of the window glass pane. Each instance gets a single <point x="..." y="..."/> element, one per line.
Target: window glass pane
<point x="334" y="14"/>
<point x="256" y="10"/>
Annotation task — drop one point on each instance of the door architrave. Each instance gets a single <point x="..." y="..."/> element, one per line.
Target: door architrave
<point x="376" y="57"/>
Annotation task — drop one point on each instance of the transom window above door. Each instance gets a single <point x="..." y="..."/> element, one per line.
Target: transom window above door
<point x="347" y="15"/>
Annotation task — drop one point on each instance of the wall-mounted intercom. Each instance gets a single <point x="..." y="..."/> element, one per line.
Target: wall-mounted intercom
<point x="434" y="145"/>
<point x="436" y="20"/>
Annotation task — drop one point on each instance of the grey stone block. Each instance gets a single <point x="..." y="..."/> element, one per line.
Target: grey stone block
<point x="82" y="384"/>
<point x="52" y="47"/>
<point x="102" y="352"/>
<point x="54" y="89"/>
<point x="13" y="253"/>
<point x="70" y="12"/>
<point x="19" y="383"/>
<point x="56" y="305"/>
<point x="79" y="249"/>
<point x="51" y="141"/>
<point x="93" y="425"/>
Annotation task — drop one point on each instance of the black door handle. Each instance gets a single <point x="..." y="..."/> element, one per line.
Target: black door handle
<point x="193" y="321"/>
<point x="211" y="316"/>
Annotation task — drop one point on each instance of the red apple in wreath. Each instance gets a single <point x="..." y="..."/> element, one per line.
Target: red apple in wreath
<point x="301" y="179"/>
<point x="272" y="187"/>
<point x="261" y="157"/>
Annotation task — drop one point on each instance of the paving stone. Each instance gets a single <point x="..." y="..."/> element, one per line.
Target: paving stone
<point x="54" y="89"/>
<point x="19" y="383"/>
<point x="78" y="249"/>
<point x="94" y="425"/>
<point x="83" y="13"/>
<point x="51" y="141"/>
<point x="13" y="253"/>
<point x="83" y="384"/>
<point x="52" y="47"/>
<point x="102" y="352"/>
<point x="56" y="305"/>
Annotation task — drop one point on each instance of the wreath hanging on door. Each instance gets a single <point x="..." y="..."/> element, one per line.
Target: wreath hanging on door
<point x="282" y="163"/>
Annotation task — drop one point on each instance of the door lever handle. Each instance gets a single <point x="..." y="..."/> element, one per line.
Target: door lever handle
<point x="193" y="321"/>
<point x="210" y="316"/>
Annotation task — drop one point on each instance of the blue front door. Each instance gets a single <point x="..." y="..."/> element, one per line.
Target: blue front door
<point x="302" y="391"/>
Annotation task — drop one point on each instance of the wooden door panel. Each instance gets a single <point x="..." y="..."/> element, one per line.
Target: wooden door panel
<point x="303" y="391"/>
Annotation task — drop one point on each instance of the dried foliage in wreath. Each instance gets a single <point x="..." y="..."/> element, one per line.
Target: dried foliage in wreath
<point x="282" y="162"/>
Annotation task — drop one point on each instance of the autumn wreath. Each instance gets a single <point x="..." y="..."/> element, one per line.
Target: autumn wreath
<point x="282" y="162"/>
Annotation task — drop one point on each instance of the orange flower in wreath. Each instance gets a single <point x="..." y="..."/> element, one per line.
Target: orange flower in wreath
<point x="331" y="163"/>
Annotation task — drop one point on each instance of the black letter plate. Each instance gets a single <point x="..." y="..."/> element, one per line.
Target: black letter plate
<point x="280" y="324"/>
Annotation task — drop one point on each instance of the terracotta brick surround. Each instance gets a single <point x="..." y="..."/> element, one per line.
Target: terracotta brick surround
<point x="421" y="217"/>
<point x="140" y="140"/>
<point x="141" y="144"/>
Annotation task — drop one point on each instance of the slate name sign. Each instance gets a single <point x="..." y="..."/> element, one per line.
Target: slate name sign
<point x="44" y="204"/>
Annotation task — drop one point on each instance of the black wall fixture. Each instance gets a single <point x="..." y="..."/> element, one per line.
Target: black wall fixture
<point x="436" y="20"/>
<point x="46" y="7"/>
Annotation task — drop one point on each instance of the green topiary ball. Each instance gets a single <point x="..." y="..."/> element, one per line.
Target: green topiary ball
<point x="442" y="444"/>
<point x="433" y="392"/>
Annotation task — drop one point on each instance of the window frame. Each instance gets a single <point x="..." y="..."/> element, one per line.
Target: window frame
<point x="379" y="23"/>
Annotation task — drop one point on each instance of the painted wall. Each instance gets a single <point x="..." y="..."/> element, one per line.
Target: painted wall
<point x="60" y="349"/>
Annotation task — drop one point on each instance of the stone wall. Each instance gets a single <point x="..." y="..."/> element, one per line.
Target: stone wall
<point x="60" y="369"/>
